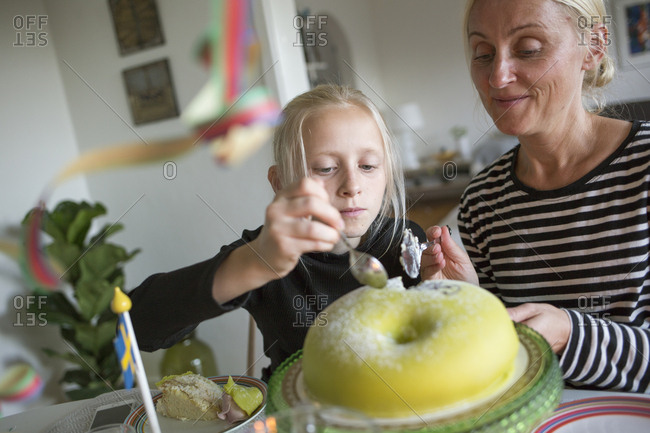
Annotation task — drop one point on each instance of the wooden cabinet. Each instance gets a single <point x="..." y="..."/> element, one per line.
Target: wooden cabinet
<point x="429" y="198"/>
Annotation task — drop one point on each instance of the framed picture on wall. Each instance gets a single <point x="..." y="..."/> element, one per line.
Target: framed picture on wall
<point x="150" y="92"/>
<point x="137" y="25"/>
<point x="632" y="32"/>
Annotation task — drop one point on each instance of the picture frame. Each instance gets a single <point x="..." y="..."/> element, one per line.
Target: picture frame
<point x="137" y="25"/>
<point x="150" y="92"/>
<point x="632" y="32"/>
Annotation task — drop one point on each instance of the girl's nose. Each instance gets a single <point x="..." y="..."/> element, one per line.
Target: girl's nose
<point x="502" y="72"/>
<point x="350" y="185"/>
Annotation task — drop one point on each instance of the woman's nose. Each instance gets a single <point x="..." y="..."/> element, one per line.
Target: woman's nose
<point x="502" y="72"/>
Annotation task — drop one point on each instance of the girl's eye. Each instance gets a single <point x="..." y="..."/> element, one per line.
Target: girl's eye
<point x="367" y="167"/>
<point x="323" y="170"/>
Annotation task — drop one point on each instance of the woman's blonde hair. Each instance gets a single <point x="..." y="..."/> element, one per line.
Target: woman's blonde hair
<point x="289" y="148"/>
<point x="586" y="14"/>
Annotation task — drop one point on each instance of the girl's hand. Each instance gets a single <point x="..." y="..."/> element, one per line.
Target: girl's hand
<point x="299" y="220"/>
<point x="554" y="324"/>
<point x="445" y="259"/>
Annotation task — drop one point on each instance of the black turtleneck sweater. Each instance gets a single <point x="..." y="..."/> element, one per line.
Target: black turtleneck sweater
<point x="168" y="306"/>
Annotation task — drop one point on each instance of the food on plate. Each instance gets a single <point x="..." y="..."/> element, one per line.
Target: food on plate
<point x="190" y="396"/>
<point x="395" y="353"/>
<point x="247" y="398"/>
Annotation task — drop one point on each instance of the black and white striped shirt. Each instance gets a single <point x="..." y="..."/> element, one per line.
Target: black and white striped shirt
<point x="583" y="248"/>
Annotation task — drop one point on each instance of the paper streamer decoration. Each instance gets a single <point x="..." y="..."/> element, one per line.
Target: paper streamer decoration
<point x="233" y="119"/>
<point x="20" y="382"/>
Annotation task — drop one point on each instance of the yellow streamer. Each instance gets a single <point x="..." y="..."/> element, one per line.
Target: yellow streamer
<point x="111" y="157"/>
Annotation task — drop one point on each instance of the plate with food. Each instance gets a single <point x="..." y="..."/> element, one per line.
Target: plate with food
<point x="600" y="414"/>
<point x="193" y="403"/>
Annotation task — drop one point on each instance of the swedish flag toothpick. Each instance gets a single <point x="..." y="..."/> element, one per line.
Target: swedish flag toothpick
<point x="128" y="354"/>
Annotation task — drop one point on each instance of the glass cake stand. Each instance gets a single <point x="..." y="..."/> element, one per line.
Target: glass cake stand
<point x="515" y="409"/>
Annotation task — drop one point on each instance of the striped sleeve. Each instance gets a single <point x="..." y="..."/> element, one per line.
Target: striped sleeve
<point x="606" y="354"/>
<point x="583" y="248"/>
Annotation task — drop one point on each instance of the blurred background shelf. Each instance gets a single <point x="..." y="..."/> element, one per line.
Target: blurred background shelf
<point x="430" y="196"/>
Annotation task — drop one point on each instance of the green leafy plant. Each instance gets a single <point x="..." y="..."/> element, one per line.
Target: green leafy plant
<point x="92" y="267"/>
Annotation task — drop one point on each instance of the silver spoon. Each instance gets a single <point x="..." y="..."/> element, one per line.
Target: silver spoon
<point x="412" y="249"/>
<point x="367" y="269"/>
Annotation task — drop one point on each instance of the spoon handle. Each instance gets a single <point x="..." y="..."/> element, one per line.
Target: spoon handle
<point x="425" y="245"/>
<point x="345" y="240"/>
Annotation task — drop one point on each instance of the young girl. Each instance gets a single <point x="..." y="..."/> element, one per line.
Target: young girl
<point x="336" y="168"/>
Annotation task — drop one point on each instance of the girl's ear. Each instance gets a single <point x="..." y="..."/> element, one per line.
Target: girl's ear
<point x="274" y="178"/>
<point x="598" y="43"/>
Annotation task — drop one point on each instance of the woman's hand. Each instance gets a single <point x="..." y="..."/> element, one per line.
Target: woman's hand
<point x="299" y="220"/>
<point x="445" y="259"/>
<point x="551" y="322"/>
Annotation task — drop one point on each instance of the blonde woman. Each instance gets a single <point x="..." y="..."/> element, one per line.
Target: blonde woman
<point x="335" y="168"/>
<point x="558" y="227"/>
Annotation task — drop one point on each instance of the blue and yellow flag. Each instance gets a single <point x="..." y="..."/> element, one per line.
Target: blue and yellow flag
<point x="121" y="305"/>
<point x="124" y="352"/>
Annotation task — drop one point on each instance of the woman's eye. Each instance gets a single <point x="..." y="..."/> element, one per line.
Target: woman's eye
<point x="529" y="47"/>
<point x="529" y="53"/>
<point x="324" y="170"/>
<point x="482" y="56"/>
<point x="367" y="167"/>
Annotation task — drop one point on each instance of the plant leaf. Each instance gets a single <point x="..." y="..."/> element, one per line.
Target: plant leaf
<point x="93" y="296"/>
<point x="56" y="307"/>
<point x="85" y="362"/>
<point x="101" y="261"/>
<point x="92" y="390"/>
<point x="105" y="232"/>
<point x="80" y="376"/>
<point x="66" y="255"/>
<point x="79" y="226"/>
<point x="92" y="338"/>
<point x="63" y="215"/>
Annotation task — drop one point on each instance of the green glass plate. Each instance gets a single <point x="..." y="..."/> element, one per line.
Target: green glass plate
<point x="517" y="409"/>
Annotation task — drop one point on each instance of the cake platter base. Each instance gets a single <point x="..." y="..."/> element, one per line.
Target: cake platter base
<point x="530" y="398"/>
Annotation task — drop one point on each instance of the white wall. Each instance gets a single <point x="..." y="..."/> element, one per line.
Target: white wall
<point x="185" y="220"/>
<point x="68" y="98"/>
<point x="36" y="139"/>
<point x="357" y="27"/>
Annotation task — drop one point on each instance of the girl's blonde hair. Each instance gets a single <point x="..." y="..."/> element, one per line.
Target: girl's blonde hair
<point x="289" y="148"/>
<point x="585" y="14"/>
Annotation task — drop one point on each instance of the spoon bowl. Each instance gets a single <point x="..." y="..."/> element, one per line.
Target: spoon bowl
<point x="367" y="269"/>
<point x="412" y="253"/>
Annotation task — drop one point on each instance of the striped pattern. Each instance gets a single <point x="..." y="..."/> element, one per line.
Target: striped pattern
<point x="583" y="247"/>
<point x="582" y="414"/>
